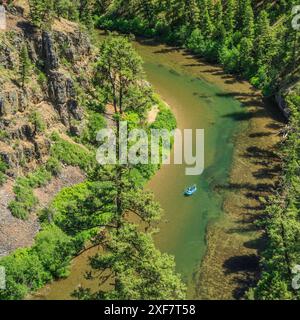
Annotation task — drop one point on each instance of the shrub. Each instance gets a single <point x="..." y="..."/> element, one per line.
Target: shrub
<point x="54" y="249"/>
<point x="42" y="78"/>
<point x="29" y="269"/>
<point x="18" y="210"/>
<point x="165" y="118"/>
<point x="54" y="166"/>
<point x="3" y="168"/>
<point x="25" y="199"/>
<point x="24" y="273"/>
<point x="73" y="206"/>
<point x="96" y="122"/>
<point x="37" y="121"/>
<point x="71" y="153"/>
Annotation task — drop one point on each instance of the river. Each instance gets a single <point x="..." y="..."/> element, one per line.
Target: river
<point x="196" y="93"/>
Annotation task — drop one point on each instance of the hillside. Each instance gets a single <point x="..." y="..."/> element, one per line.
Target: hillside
<point x="51" y="100"/>
<point x="55" y="95"/>
<point x="60" y="84"/>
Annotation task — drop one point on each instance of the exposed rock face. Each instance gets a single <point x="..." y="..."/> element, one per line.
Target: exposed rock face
<point x="49" y="54"/>
<point x="11" y="102"/>
<point x="73" y="48"/>
<point x="62" y="91"/>
<point x="63" y="96"/>
<point x="53" y="85"/>
<point x="60" y="63"/>
<point x="6" y="59"/>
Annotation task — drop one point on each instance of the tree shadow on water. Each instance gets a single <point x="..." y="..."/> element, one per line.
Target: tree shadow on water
<point x="245" y="267"/>
<point x="260" y="153"/>
<point x="245" y="116"/>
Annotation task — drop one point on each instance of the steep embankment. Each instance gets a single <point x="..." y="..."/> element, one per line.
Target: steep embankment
<point x="44" y="78"/>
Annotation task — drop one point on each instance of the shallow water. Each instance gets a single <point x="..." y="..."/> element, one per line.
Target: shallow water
<point x="198" y="103"/>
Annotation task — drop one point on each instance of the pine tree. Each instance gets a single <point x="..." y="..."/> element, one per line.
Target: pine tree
<point x="206" y="25"/>
<point x="247" y="26"/>
<point x="86" y="9"/>
<point x="264" y="39"/>
<point x="246" y="59"/>
<point x="137" y="270"/>
<point x="24" y="66"/>
<point x="41" y="13"/>
<point x="191" y="13"/>
<point x="239" y="13"/>
<point x="67" y="9"/>
<point x="174" y="12"/>
<point x="218" y="21"/>
<point x="147" y="9"/>
<point x="229" y="16"/>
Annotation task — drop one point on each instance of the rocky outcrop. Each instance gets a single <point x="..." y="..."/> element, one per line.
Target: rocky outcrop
<point x="6" y="57"/>
<point x="12" y="101"/>
<point x="57" y="83"/>
<point x="61" y="87"/>
<point x="63" y="96"/>
<point x="282" y="104"/>
<point x="60" y="59"/>
<point x="73" y="47"/>
<point x="49" y="55"/>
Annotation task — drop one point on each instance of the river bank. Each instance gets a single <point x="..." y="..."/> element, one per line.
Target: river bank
<point x="203" y="96"/>
<point x="231" y="264"/>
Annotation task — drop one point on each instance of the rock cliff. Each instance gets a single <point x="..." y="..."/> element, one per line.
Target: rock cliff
<point x="58" y="65"/>
<point x="58" y="61"/>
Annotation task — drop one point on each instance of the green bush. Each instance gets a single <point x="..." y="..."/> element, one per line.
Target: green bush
<point x="37" y="121"/>
<point x="29" y="269"/>
<point x="165" y="118"/>
<point x="55" y="250"/>
<point x="54" y="166"/>
<point x="25" y="200"/>
<point x="96" y="122"/>
<point x="42" y="78"/>
<point x="24" y="273"/>
<point x="67" y="9"/>
<point x="71" y="153"/>
<point x="3" y="168"/>
<point x="136" y="25"/>
<point x="73" y="206"/>
<point x="18" y="210"/>
<point x="38" y="178"/>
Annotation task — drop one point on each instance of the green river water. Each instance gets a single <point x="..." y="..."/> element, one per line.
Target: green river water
<point x="197" y="104"/>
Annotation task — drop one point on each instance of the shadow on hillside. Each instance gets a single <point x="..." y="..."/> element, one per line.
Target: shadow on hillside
<point x="27" y="27"/>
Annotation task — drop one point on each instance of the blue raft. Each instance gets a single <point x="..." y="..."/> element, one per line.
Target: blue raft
<point x="190" y="190"/>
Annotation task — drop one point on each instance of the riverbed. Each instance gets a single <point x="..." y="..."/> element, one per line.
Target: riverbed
<point x="201" y="96"/>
